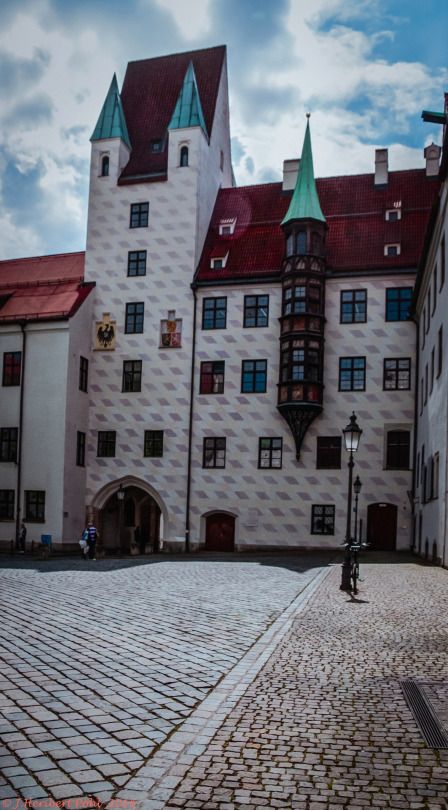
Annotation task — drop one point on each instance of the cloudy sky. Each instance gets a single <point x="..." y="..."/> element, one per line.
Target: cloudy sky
<point x="364" y="68"/>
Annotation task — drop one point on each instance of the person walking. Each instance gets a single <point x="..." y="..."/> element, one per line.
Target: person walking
<point x="22" y="539"/>
<point x="92" y="536"/>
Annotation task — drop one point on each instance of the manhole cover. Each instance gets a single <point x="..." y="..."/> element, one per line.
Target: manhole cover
<point x="428" y="702"/>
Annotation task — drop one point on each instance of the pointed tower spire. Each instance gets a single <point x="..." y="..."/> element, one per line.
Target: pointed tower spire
<point x="112" y="123"/>
<point x="305" y="201"/>
<point x="188" y="109"/>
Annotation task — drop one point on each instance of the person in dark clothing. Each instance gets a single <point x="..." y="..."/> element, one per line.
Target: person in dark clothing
<point x="22" y="538"/>
<point x="92" y="536"/>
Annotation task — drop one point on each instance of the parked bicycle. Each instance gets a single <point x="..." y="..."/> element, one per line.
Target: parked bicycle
<point x="352" y="561"/>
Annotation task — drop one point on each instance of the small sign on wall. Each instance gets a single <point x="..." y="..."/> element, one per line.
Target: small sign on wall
<point x="171" y="331"/>
<point x="105" y="333"/>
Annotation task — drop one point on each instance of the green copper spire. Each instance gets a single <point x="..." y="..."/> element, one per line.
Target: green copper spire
<point x="112" y="123"/>
<point x="305" y="202"/>
<point x="188" y="109"/>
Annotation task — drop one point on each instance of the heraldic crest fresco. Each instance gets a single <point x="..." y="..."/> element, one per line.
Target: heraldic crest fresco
<point x="105" y="332"/>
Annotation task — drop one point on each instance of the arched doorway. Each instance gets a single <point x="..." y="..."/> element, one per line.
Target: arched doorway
<point x="220" y="532"/>
<point x="129" y="517"/>
<point x="382" y="526"/>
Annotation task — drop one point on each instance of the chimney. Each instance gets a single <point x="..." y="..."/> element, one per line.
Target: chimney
<point x="432" y="157"/>
<point x="290" y="172"/>
<point x="381" y="167"/>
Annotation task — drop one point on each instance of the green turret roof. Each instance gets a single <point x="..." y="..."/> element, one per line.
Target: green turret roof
<point x="305" y="201"/>
<point x="112" y="123"/>
<point x="188" y="109"/>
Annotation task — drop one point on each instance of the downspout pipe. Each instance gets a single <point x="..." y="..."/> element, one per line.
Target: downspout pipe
<point x="20" y="443"/>
<point x="414" y="454"/>
<point x="190" y="426"/>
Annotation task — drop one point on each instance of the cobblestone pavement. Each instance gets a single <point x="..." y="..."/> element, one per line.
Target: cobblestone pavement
<point x="324" y="725"/>
<point x="101" y="661"/>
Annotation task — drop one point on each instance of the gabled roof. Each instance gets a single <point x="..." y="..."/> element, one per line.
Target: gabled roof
<point x="188" y="110"/>
<point x="305" y="200"/>
<point x="42" y="287"/>
<point x="150" y="91"/>
<point x="355" y="213"/>
<point x="111" y="123"/>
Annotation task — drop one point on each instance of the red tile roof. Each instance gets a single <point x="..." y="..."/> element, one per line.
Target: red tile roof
<point x="150" y="91"/>
<point x="42" y="287"/>
<point x="355" y="214"/>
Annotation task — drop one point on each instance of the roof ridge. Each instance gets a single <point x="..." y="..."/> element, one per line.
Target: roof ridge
<point x="45" y="256"/>
<point x="178" y="53"/>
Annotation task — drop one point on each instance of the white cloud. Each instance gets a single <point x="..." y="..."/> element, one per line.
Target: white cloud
<point x="192" y="18"/>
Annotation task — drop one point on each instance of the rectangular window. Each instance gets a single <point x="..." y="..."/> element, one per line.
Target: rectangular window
<point x="139" y="215"/>
<point x="322" y="519"/>
<point x="398" y="449"/>
<point x="426" y="383"/>
<point x="12" y="363"/>
<point x="212" y="377"/>
<point x="132" y="375"/>
<point x="442" y="263"/>
<point x="214" y="452"/>
<point x="256" y="310"/>
<point x="428" y="308"/>
<point x="153" y="446"/>
<point x="270" y="453"/>
<point x="439" y="351"/>
<point x="397" y="374"/>
<point x="83" y="373"/>
<point x="7" y="504"/>
<point x="435" y="476"/>
<point x="398" y="301"/>
<point x="214" y="313"/>
<point x="253" y="376"/>
<point x="34" y="506"/>
<point x="8" y="444"/>
<point x="106" y="443"/>
<point x="328" y="453"/>
<point x="134" y="318"/>
<point x="80" y="449"/>
<point x="353" y="306"/>
<point x="137" y="263"/>
<point x="421" y="395"/>
<point x="434" y="290"/>
<point x="433" y="359"/>
<point x="352" y="373"/>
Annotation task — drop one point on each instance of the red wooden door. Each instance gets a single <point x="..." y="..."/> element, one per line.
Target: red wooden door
<point x="382" y="526"/>
<point x="220" y="532"/>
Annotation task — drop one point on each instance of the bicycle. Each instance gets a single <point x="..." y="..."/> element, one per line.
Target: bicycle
<point x="353" y="564"/>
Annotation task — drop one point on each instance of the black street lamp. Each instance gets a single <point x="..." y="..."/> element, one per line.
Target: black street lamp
<point x="352" y="435"/>
<point x="120" y="498"/>
<point x="357" y="485"/>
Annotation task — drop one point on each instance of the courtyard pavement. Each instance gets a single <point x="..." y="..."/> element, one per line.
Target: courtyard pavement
<point x="101" y="662"/>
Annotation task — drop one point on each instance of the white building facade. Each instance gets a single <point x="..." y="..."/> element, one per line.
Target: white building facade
<point x="228" y="335"/>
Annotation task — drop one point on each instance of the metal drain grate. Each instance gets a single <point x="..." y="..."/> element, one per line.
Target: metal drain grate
<point x="424" y="714"/>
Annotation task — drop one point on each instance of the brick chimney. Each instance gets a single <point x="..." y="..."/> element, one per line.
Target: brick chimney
<point x="290" y="172"/>
<point x="381" y="167"/>
<point x="432" y="157"/>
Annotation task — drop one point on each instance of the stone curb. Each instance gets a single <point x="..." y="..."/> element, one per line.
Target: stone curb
<point x="155" y="783"/>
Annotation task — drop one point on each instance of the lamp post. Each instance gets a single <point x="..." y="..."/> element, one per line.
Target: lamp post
<point x="357" y="488"/>
<point x="120" y="498"/>
<point x="352" y="434"/>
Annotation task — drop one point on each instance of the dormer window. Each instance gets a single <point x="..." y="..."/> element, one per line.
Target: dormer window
<point x="393" y="214"/>
<point x="105" y="166"/>
<point x="183" y="156"/>
<point x="392" y="250"/>
<point x="156" y="145"/>
<point x="219" y="262"/>
<point x="227" y="227"/>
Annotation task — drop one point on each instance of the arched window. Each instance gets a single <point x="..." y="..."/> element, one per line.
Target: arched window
<point x="105" y="166"/>
<point x="301" y="242"/>
<point x="184" y="156"/>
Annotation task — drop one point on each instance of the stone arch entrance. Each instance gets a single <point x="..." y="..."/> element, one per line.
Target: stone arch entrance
<point x="132" y="524"/>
